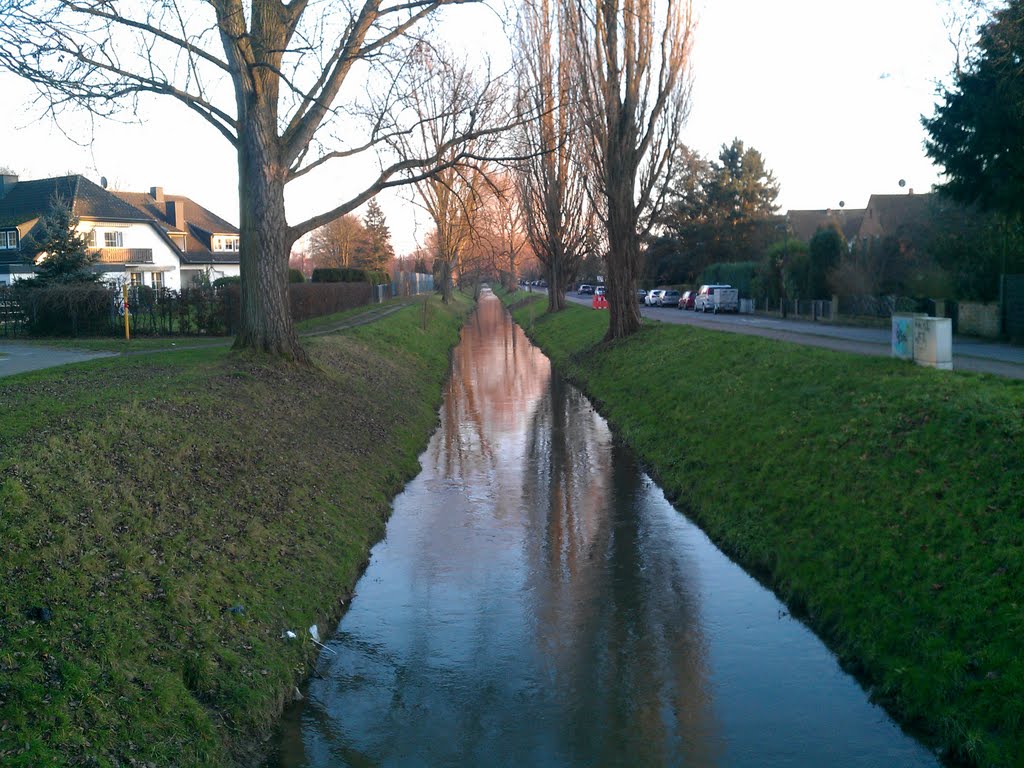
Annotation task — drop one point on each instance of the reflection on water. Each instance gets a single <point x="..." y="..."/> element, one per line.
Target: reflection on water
<point x="536" y="601"/>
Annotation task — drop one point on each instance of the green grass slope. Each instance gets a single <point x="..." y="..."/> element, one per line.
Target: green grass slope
<point x="882" y="501"/>
<point x="165" y="518"/>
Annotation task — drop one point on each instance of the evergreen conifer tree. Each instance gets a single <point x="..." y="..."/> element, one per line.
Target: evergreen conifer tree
<point x="975" y="133"/>
<point x="379" y="251"/>
<point x="63" y="255"/>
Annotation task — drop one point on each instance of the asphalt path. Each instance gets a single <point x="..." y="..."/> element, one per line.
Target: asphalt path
<point x="19" y="358"/>
<point x="968" y="354"/>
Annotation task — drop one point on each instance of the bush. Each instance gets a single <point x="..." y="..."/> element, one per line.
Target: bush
<point x="350" y="275"/>
<point x="738" y="274"/>
<point x="220" y="282"/>
<point x="69" y="309"/>
<point x="316" y="300"/>
<point x="295" y="276"/>
<point x="377" y="277"/>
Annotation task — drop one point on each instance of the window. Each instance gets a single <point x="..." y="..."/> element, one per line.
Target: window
<point x="225" y="243"/>
<point x="135" y="278"/>
<point x="90" y="239"/>
<point x="158" y="279"/>
<point x="113" y="240"/>
<point x="9" y="240"/>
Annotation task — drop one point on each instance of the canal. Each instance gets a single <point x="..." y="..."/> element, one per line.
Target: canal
<point x="536" y="601"/>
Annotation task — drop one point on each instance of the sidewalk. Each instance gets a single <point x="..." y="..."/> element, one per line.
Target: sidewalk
<point x="18" y="357"/>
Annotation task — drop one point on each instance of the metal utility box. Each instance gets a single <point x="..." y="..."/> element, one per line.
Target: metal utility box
<point x="933" y="342"/>
<point x="903" y="335"/>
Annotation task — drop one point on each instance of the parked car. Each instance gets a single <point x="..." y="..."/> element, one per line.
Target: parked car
<point x="686" y="300"/>
<point x="585" y="290"/>
<point x="651" y="299"/>
<point x="641" y="294"/>
<point x="668" y="298"/>
<point x="599" y="291"/>
<point x="717" y="298"/>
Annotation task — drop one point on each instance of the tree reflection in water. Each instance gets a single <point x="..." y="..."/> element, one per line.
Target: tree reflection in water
<point x="537" y="602"/>
<point x="618" y="615"/>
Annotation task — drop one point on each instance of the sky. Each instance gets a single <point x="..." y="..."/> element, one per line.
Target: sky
<point x="830" y="93"/>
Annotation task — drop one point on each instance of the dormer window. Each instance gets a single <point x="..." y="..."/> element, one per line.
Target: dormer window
<point x="225" y="243"/>
<point x="9" y="240"/>
<point x="113" y="239"/>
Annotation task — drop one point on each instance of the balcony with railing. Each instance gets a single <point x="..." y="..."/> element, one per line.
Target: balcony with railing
<point x="123" y="255"/>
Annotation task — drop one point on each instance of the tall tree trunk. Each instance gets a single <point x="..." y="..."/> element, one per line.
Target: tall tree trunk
<point x="446" y="281"/>
<point x="557" y="279"/>
<point x="623" y="260"/>
<point x="266" y="321"/>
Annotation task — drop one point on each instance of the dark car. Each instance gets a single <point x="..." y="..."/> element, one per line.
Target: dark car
<point x="585" y="290"/>
<point x="641" y="294"/>
<point x="686" y="300"/>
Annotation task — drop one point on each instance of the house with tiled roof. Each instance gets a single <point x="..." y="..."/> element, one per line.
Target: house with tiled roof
<point x="804" y="224"/>
<point x="138" y="238"/>
<point x="906" y="217"/>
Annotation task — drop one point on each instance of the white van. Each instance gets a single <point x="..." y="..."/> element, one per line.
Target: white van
<point x="717" y="298"/>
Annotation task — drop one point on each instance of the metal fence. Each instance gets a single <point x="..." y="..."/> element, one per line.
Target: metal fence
<point x="1013" y="307"/>
<point x="412" y="284"/>
<point x="97" y="309"/>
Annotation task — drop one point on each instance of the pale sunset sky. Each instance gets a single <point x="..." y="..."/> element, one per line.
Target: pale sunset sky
<point x="830" y="93"/>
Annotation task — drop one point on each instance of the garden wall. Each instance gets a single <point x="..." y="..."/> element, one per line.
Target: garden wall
<point x="979" y="319"/>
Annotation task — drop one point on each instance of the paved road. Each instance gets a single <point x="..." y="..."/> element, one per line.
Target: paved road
<point x="968" y="354"/>
<point x="18" y="358"/>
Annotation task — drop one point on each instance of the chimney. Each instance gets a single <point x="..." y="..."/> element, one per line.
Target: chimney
<point x="7" y="182"/>
<point x="911" y="191"/>
<point x="176" y="214"/>
<point x="157" y="193"/>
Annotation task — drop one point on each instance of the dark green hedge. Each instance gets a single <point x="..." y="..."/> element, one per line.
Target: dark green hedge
<point x="349" y="275"/>
<point x="738" y="274"/>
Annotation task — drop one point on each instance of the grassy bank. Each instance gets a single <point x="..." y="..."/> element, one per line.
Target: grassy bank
<point x="882" y="501"/>
<point x="166" y="518"/>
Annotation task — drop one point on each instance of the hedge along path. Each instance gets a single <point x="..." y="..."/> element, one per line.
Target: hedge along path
<point x="882" y="501"/>
<point x="165" y="518"/>
<point x="363" y="316"/>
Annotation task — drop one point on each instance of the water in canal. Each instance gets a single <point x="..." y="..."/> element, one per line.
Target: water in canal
<point x="537" y="602"/>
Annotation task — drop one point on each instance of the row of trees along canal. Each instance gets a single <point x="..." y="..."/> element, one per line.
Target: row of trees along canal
<point x="579" y="139"/>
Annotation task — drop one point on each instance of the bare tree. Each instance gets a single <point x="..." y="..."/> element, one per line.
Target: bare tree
<point x="553" y="181"/>
<point x="963" y="19"/>
<point x="271" y="77"/>
<point x="500" y="231"/>
<point x="632" y="60"/>
<point x="453" y="196"/>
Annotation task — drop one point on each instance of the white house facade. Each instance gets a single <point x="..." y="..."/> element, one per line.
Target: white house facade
<point x="138" y="238"/>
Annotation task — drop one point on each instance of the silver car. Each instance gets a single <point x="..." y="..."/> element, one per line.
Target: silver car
<point x="651" y="298"/>
<point x="668" y="299"/>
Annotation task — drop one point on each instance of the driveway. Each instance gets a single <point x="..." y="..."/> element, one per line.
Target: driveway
<point x="18" y="358"/>
<point x="968" y="354"/>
